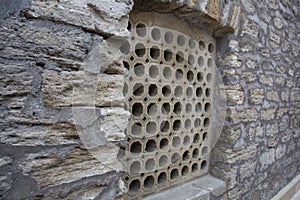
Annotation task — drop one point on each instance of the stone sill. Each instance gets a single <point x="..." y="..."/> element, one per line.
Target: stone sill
<point x="202" y="188"/>
<point x="289" y="190"/>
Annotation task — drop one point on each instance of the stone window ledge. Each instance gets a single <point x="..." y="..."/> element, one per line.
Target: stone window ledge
<point x="201" y="188"/>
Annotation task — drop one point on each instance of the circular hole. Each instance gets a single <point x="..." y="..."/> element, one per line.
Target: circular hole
<point x="179" y="74"/>
<point x="134" y="186"/>
<point x="191" y="43"/>
<point x="209" y="77"/>
<point x="189" y="92"/>
<point x="163" y="160"/>
<point x="198" y="107"/>
<point x="190" y="76"/>
<point x="139" y="70"/>
<point x="206" y="122"/>
<point x="207" y="92"/>
<point x="150" y="164"/>
<point x="186" y="140"/>
<point x="184" y="171"/>
<point x="150" y="145"/>
<point x="177" y="108"/>
<point x="176" y="125"/>
<point x="136" y="129"/>
<point x="199" y="92"/>
<point x="141" y="30"/>
<point x="155" y="34"/>
<point x="195" y="153"/>
<point x="168" y="37"/>
<point x="140" y="50"/>
<point x="135" y="167"/>
<point x="174" y="174"/>
<point x="166" y="91"/>
<point x="204" y="151"/>
<point x="153" y="71"/>
<point x="138" y="89"/>
<point x="176" y="141"/>
<point x="201" y="45"/>
<point x="164" y="126"/>
<point x="136" y="147"/>
<point x="186" y="156"/>
<point x="188" y="108"/>
<point x="137" y="109"/>
<point x="199" y="76"/>
<point x="154" y="53"/>
<point x="168" y="55"/>
<point x="207" y="107"/>
<point x="178" y="91"/>
<point x="179" y="57"/>
<point x="167" y="73"/>
<point x="187" y="124"/>
<point x="211" y="48"/>
<point x="196" y="138"/>
<point x="152" y="109"/>
<point x="197" y="123"/>
<point x="151" y="127"/>
<point x="152" y="90"/>
<point x="148" y="182"/>
<point x="204" y="136"/>
<point x="165" y="109"/>
<point x="180" y="40"/>
<point x="210" y="62"/>
<point x="164" y="143"/>
<point x="125" y="47"/>
<point x="161" y="179"/>
<point x="203" y="164"/>
<point x="194" y="167"/>
<point x="175" y="158"/>
<point x="200" y="61"/>
<point x="191" y="59"/>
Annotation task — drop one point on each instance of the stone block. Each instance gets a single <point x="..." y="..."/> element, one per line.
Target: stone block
<point x="266" y="79"/>
<point x="256" y="96"/>
<point x="250" y="28"/>
<point x="272" y="95"/>
<point x="104" y="17"/>
<point x="231" y="59"/>
<point x="267" y="158"/>
<point x="268" y="114"/>
<point x="295" y="95"/>
<point x="15" y="80"/>
<point x="66" y="89"/>
<point x="251" y="64"/>
<point x="277" y="23"/>
<point x="280" y="151"/>
<point x="246" y="115"/>
<point x="235" y="93"/>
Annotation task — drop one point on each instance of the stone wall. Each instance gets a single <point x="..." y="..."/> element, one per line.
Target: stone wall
<point x="258" y="151"/>
<point x="46" y="49"/>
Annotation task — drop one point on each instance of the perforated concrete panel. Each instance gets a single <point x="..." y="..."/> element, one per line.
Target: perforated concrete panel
<point x="169" y="89"/>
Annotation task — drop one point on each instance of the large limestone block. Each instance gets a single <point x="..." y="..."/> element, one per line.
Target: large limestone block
<point x="15" y="80"/>
<point x="63" y="89"/>
<point x="65" y="165"/>
<point x="102" y="16"/>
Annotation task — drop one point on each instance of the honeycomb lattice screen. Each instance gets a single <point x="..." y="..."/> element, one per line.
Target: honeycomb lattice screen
<point x="169" y="90"/>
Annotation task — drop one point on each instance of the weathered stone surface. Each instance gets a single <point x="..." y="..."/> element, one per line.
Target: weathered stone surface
<point x="267" y="158"/>
<point x="44" y="43"/>
<point x="256" y="96"/>
<point x="266" y="79"/>
<point x="58" y="134"/>
<point x="246" y="115"/>
<point x="15" y="80"/>
<point x="66" y="165"/>
<point x="268" y="114"/>
<point x="272" y="95"/>
<point x="231" y="59"/>
<point x="104" y="17"/>
<point x="235" y="93"/>
<point x="278" y="23"/>
<point x="63" y="89"/>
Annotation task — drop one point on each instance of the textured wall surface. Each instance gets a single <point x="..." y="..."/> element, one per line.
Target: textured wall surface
<point x="46" y="46"/>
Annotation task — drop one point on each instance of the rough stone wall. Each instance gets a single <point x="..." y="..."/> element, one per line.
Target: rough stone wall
<point x="258" y="152"/>
<point x="44" y="50"/>
<point x="45" y="47"/>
